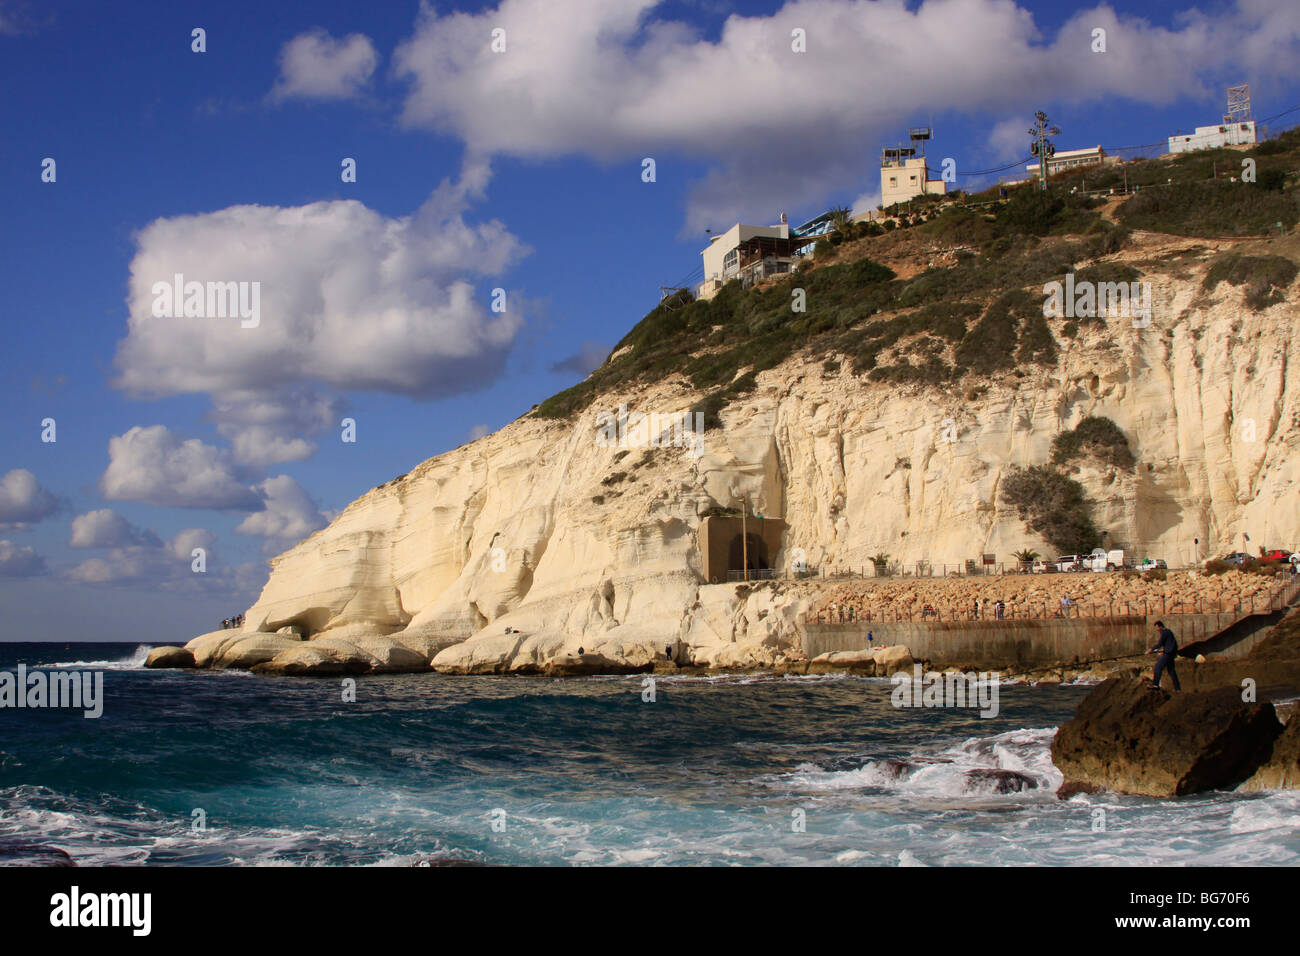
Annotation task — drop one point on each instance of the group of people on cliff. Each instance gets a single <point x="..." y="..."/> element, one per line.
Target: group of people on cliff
<point x="236" y="621"/>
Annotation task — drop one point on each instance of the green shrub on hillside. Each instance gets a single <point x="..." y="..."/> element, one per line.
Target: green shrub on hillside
<point x="1095" y="436"/>
<point x="1034" y="213"/>
<point x="1213" y="208"/>
<point x="1265" y="278"/>
<point x="994" y="343"/>
<point x="1052" y="506"/>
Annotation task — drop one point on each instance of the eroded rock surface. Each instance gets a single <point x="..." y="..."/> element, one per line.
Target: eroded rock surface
<point x="1129" y="736"/>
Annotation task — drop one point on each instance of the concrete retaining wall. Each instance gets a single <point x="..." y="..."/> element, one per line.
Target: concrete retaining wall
<point x="990" y="644"/>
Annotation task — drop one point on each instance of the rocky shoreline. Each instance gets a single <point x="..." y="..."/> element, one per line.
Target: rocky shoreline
<point x="1224" y="730"/>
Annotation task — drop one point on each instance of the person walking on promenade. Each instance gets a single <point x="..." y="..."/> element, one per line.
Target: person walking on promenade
<point x="1167" y="645"/>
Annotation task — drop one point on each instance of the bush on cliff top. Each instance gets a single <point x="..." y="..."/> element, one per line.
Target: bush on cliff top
<point x="1215" y="207"/>
<point x="1265" y="277"/>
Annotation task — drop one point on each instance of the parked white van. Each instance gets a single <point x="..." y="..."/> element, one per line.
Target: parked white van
<point x="1101" y="560"/>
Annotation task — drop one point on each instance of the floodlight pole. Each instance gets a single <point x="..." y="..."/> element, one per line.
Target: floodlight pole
<point x="1040" y="131"/>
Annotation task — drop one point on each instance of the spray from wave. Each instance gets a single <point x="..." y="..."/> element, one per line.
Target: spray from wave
<point x="132" y="662"/>
<point x="1016" y="762"/>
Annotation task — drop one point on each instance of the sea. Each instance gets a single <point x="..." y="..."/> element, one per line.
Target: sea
<point x="229" y="768"/>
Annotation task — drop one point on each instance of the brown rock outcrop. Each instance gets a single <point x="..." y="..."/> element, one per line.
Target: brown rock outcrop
<point x="1129" y="736"/>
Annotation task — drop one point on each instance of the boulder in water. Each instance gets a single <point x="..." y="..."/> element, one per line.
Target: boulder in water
<point x="169" y="657"/>
<point x="33" y="854"/>
<point x="1129" y="736"/>
<point x="992" y="780"/>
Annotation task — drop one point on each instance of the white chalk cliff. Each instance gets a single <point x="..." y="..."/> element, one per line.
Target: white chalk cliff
<point x="1208" y="396"/>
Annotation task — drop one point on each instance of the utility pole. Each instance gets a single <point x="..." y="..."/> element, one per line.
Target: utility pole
<point x="1041" y="147"/>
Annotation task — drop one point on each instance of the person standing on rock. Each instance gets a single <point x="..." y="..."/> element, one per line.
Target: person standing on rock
<point x="1167" y="645"/>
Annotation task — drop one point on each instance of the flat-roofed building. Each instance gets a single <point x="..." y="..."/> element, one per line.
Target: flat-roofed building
<point x="1214" y="137"/>
<point x="1069" y="159"/>
<point x="904" y="177"/>
<point x="748" y="253"/>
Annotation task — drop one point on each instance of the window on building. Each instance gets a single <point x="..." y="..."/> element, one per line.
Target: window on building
<point x="893" y="180"/>
<point x="730" y="259"/>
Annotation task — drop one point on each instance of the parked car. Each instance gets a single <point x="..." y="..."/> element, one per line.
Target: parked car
<point x="1152" y="564"/>
<point x="1040" y="567"/>
<point x="1237" y="557"/>
<point x="1069" y="562"/>
<point x="1101" y="560"/>
<point x="1276" y="554"/>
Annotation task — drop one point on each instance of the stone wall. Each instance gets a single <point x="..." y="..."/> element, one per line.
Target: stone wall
<point x="1010" y="643"/>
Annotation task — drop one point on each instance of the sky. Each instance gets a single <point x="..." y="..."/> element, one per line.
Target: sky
<point x="501" y="231"/>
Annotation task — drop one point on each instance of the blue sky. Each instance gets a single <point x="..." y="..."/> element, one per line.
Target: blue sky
<point x="519" y="169"/>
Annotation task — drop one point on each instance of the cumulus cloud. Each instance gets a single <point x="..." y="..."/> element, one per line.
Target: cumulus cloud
<point x="349" y="300"/>
<point x="584" y="361"/>
<point x="154" y="466"/>
<point x="105" y="528"/>
<point x="19" y="561"/>
<point x="288" y="515"/>
<point x="273" y="426"/>
<point x="138" y="556"/>
<point x="184" y="542"/>
<point x="23" y="501"/>
<point x="616" y="82"/>
<point x="316" y="66"/>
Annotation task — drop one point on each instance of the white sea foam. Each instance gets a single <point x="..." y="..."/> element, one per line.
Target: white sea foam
<point x="134" y="661"/>
<point x="1022" y="756"/>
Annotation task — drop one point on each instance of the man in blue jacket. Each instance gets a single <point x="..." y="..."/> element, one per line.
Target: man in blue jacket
<point x="1167" y="646"/>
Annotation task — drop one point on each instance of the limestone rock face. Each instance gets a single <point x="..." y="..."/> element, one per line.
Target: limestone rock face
<point x="890" y="660"/>
<point x="169" y="657"/>
<point x="1282" y="770"/>
<point x="1129" y="736"/>
<point x="543" y="528"/>
<point x="244" y="650"/>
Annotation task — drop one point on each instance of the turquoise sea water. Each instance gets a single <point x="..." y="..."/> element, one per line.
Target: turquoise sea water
<point x="574" y="771"/>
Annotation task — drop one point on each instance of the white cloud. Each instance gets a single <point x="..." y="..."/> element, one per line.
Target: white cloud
<point x="612" y="81"/>
<point x="140" y="556"/>
<point x="105" y="528"/>
<point x="479" y="431"/>
<point x="866" y="202"/>
<point x="350" y="300"/>
<point x="1008" y="140"/>
<point x="314" y="65"/>
<point x="184" y="542"/>
<point x="274" y="426"/>
<point x="19" y="561"/>
<point x="288" y="515"/>
<point x="154" y="466"/>
<point x="23" y="501"/>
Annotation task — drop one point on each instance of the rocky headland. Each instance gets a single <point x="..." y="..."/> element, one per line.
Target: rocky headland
<point x="888" y="420"/>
